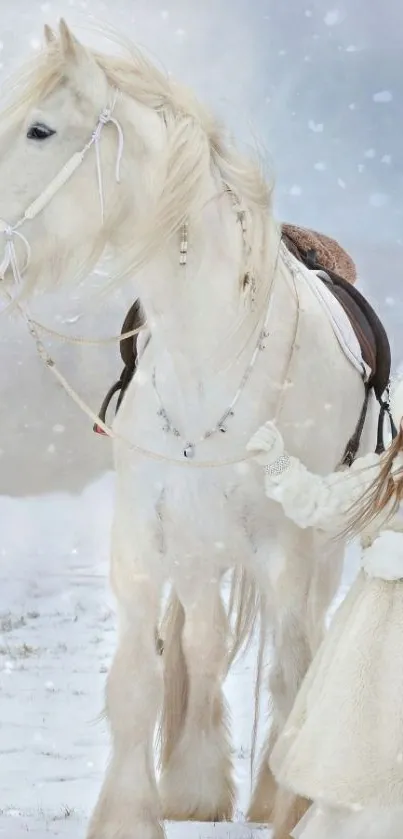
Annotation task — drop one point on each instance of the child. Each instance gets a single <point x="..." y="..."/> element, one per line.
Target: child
<point x="342" y="746"/>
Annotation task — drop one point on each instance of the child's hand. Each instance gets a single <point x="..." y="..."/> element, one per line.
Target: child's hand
<point x="268" y="444"/>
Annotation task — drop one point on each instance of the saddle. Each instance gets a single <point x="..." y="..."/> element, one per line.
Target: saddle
<point x="319" y="253"/>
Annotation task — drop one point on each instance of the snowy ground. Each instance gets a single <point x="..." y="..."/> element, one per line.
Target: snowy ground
<point x="56" y="639"/>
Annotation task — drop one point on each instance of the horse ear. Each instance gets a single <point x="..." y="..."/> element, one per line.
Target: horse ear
<point x="72" y="50"/>
<point x="81" y="69"/>
<point x="49" y="35"/>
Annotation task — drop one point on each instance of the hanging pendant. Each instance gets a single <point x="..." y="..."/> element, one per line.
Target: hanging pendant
<point x="189" y="451"/>
<point x="184" y="244"/>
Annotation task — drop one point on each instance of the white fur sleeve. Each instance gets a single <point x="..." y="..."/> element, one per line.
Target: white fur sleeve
<point x="322" y="502"/>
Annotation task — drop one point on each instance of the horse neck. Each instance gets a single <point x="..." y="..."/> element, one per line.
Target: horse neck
<point x="198" y="313"/>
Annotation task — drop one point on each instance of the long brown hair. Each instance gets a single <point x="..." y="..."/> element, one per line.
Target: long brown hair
<point x="385" y="493"/>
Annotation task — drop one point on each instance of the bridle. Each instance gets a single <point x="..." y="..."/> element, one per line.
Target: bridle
<point x="13" y="231"/>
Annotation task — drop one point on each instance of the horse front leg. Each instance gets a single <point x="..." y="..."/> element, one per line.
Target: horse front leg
<point x="197" y="781"/>
<point x="128" y="806"/>
<point x="291" y="658"/>
<point x="301" y="594"/>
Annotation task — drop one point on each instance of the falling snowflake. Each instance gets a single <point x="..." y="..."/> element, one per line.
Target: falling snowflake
<point x="370" y="153"/>
<point x="295" y="190"/>
<point x="378" y="199"/>
<point x="351" y="48"/>
<point x="386" y="159"/>
<point x="316" y="127"/>
<point x="35" y="44"/>
<point x="341" y="183"/>
<point x="352" y="106"/>
<point x="383" y="96"/>
<point x="165" y="14"/>
<point x="308" y="13"/>
<point x="320" y="166"/>
<point x="333" y="17"/>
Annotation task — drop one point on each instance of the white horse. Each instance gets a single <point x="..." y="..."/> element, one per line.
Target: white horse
<point x="106" y="152"/>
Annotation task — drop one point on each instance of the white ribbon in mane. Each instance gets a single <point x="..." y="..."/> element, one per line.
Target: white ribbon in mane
<point x="11" y="231"/>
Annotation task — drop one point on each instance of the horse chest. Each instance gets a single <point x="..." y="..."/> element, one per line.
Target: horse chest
<point x="218" y="516"/>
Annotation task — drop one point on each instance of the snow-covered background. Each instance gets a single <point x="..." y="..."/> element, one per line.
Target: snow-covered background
<point x="319" y="88"/>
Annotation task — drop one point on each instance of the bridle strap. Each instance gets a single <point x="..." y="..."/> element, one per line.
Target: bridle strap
<point x="36" y="207"/>
<point x="10" y="256"/>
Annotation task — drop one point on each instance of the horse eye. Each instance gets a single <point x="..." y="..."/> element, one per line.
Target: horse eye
<point x="39" y="131"/>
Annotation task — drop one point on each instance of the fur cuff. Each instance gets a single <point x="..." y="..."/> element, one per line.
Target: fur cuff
<point x="384" y="558"/>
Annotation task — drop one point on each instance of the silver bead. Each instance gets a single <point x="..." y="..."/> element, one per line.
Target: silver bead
<point x="189" y="451"/>
<point x="262" y="338"/>
<point x="184" y="244"/>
